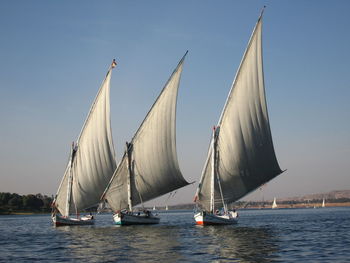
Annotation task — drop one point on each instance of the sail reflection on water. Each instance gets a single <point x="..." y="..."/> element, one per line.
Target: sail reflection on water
<point x="172" y="242"/>
<point x="131" y="244"/>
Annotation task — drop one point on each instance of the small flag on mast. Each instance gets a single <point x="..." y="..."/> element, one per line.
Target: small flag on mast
<point x="114" y="63"/>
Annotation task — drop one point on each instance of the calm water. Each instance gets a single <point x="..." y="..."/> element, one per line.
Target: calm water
<point x="284" y="235"/>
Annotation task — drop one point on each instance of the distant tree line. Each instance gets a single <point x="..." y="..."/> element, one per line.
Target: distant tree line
<point x="24" y="203"/>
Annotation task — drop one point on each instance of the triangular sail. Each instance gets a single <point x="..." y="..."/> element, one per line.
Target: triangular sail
<point x="274" y="203"/>
<point x="62" y="195"/>
<point x="94" y="161"/>
<point x="245" y="153"/>
<point x="153" y="159"/>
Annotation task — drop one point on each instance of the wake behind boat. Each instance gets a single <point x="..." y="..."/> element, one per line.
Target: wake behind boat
<point x="241" y="155"/>
<point x="149" y="167"/>
<point x="91" y="164"/>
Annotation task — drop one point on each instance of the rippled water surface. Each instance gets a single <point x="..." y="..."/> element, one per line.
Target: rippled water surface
<point x="282" y="235"/>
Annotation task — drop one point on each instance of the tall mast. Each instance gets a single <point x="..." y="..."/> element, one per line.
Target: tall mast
<point x="212" y="201"/>
<point x="70" y="179"/>
<point x="216" y="135"/>
<point x="214" y="174"/>
<point x="69" y="191"/>
<point x="128" y="163"/>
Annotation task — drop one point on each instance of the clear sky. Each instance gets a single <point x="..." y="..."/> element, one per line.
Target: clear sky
<point x="54" y="55"/>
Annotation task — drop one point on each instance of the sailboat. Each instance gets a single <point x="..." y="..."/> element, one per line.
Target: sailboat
<point x="149" y="167"/>
<point x="91" y="163"/>
<point x="323" y="203"/>
<point x="274" y="204"/>
<point x="241" y="155"/>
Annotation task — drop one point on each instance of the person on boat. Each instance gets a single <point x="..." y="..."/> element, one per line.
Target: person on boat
<point x="118" y="212"/>
<point x="147" y="213"/>
<point x="234" y="213"/>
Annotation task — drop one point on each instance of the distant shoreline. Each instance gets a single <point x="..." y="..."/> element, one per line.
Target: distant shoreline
<point x="14" y="213"/>
<point x="301" y="205"/>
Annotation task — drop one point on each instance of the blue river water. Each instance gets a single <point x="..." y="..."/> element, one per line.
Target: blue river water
<point x="281" y="235"/>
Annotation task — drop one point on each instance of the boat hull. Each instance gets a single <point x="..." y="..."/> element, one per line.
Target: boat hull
<point x="133" y="219"/>
<point x="203" y="218"/>
<point x="67" y="221"/>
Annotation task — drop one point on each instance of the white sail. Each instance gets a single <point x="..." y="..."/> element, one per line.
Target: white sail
<point x="154" y="168"/>
<point x="274" y="204"/>
<point x="94" y="160"/>
<point x="62" y="195"/>
<point x="245" y="156"/>
<point x="323" y="203"/>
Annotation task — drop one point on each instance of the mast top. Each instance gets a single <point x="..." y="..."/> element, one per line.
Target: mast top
<point x="114" y="64"/>
<point x="262" y="12"/>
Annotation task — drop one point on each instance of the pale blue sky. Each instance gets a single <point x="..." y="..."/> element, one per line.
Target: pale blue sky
<point x="54" y="55"/>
